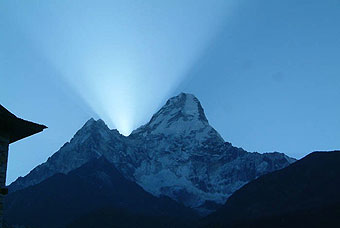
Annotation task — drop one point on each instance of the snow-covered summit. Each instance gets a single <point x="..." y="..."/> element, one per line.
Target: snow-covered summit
<point x="186" y="106"/>
<point x="181" y="116"/>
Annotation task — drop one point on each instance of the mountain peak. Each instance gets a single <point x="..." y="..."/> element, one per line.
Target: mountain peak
<point x="92" y="128"/>
<point x="92" y="122"/>
<point x="181" y="116"/>
<point x="187" y="104"/>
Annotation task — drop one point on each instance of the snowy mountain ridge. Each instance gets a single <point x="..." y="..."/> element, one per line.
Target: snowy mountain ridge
<point x="177" y="154"/>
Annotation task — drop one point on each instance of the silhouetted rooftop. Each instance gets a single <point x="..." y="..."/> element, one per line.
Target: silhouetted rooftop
<point x="14" y="128"/>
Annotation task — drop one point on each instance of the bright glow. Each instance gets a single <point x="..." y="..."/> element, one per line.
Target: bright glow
<point x="124" y="57"/>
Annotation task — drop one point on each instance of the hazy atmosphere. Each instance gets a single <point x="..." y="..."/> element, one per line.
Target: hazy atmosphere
<point x="266" y="72"/>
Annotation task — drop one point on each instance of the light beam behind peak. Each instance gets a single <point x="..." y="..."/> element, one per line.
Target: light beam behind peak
<point x="123" y="57"/>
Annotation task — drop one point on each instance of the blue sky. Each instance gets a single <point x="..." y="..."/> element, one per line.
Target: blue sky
<point x="266" y="72"/>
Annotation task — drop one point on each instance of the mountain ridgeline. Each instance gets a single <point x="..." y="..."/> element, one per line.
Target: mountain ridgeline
<point x="177" y="154"/>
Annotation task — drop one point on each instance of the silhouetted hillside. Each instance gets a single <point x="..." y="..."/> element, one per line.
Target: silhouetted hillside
<point x="61" y="199"/>
<point x="305" y="194"/>
<point x="111" y="217"/>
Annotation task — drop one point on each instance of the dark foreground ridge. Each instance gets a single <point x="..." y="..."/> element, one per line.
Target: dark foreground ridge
<point x="305" y="194"/>
<point x="94" y="195"/>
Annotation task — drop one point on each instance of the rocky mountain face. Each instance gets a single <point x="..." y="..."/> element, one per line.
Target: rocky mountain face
<point x="176" y="154"/>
